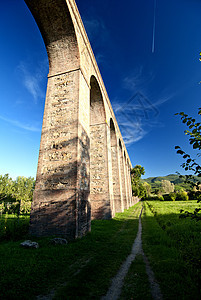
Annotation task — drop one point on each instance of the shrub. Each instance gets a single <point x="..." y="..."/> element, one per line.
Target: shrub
<point x="194" y="195"/>
<point x="173" y="196"/>
<point x="183" y="196"/>
<point x="156" y="197"/>
<point x="170" y="197"/>
<point x="160" y="197"/>
<point x="166" y="197"/>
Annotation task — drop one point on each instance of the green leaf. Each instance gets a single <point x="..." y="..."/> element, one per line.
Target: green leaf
<point x="195" y="145"/>
<point x="180" y="152"/>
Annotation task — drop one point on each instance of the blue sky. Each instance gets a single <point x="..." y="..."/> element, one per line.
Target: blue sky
<point x="145" y="88"/>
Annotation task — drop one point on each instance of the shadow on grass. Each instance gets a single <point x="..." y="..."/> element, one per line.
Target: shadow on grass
<point x="13" y="227"/>
<point x="82" y="269"/>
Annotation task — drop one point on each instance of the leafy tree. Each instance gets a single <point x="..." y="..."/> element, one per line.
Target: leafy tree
<point x="138" y="188"/>
<point x="191" y="164"/>
<point x="167" y="187"/>
<point x="6" y="193"/>
<point x="182" y="195"/>
<point x="16" y="196"/>
<point x="156" y="187"/>
<point x="147" y="186"/>
<point x="6" y="187"/>
<point x="23" y="191"/>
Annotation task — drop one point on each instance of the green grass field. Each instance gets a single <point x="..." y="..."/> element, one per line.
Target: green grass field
<point x="84" y="268"/>
<point x="81" y="270"/>
<point x="173" y="246"/>
<point x="12" y="227"/>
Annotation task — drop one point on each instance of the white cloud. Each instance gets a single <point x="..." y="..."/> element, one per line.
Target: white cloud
<point x="20" y="125"/>
<point x="32" y="80"/>
<point x="132" y="131"/>
<point x="138" y="79"/>
<point x="164" y="99"/>
<point x="94" y="27"/>
<point x="139" y="115"/>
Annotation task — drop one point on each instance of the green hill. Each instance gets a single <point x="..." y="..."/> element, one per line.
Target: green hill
<point x="173" y="178"/>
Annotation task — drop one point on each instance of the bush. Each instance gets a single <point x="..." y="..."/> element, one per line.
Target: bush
<point x="170" y="197"/>
<point x="157" y="197"/>
<point x="166" y="197"/>
<point x="183" y="196"/>
<point x="194" y="195"/>
<point x="173" y="196"/>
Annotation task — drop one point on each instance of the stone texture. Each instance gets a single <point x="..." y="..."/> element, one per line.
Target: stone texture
<point x="82" y="172"/>
<point x="29" y="244"/>
<point x="58" y="241"/>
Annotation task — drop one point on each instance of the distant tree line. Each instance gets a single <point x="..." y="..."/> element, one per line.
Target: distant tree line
<point x="176" y="186"/>
<point x="171" y="187"/>
<point x="16" y="195"/>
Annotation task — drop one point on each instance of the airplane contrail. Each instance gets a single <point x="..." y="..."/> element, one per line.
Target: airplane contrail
<point x="154" y="28"/>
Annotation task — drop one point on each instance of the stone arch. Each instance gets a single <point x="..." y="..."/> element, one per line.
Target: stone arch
<point x="56" y="26"/>
<point x="115" y="169"/>
<point x="124" y="201"/>
<point x="129" y="183"/>
<point x="126" y="180"/>
<point x="99" y="175"/>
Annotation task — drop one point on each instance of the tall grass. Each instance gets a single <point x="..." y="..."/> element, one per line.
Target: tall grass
<point x="173" y="247"/>
<point x="13" y="227"/>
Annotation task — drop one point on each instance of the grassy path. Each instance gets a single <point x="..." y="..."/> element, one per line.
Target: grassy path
<point x="115" y="289"/>
<point x="117" y="282"/>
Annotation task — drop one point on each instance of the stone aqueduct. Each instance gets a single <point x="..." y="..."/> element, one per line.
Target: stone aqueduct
<point x="83" y="168"/>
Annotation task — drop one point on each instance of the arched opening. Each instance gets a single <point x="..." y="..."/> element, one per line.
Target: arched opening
<point x="55" y="23"/>
<point x="24" y="69"/>
<point x="99" y="176"/>
<point x="115" y="169"/>
<point x="129" y="183"/>
<point x="126" y="180"/>
<point x="123" y="183"/>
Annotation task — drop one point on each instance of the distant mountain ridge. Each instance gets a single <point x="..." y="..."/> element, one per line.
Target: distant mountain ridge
<point x="173" y="178"/>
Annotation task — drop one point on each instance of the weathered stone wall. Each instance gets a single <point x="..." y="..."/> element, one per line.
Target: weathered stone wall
<point x="99" y="176"/>
<point x="115" y="170"/>
<point x="82" y="170"/>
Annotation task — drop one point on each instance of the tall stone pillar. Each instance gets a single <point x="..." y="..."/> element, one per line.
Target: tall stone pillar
<point x="123" y="182"/>
<point x="119" y="150"/>
<point x="60" y="203"/>
<point x="115" y="169"/>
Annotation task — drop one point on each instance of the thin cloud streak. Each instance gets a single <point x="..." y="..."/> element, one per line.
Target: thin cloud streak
<point x="20" y="125"/>
<point x="94" y="27"/>
<point x="32" y="80"/>
<point x="132" y="132"/>
<point x="154" y="28"/>
<point x="138" y="80"/>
